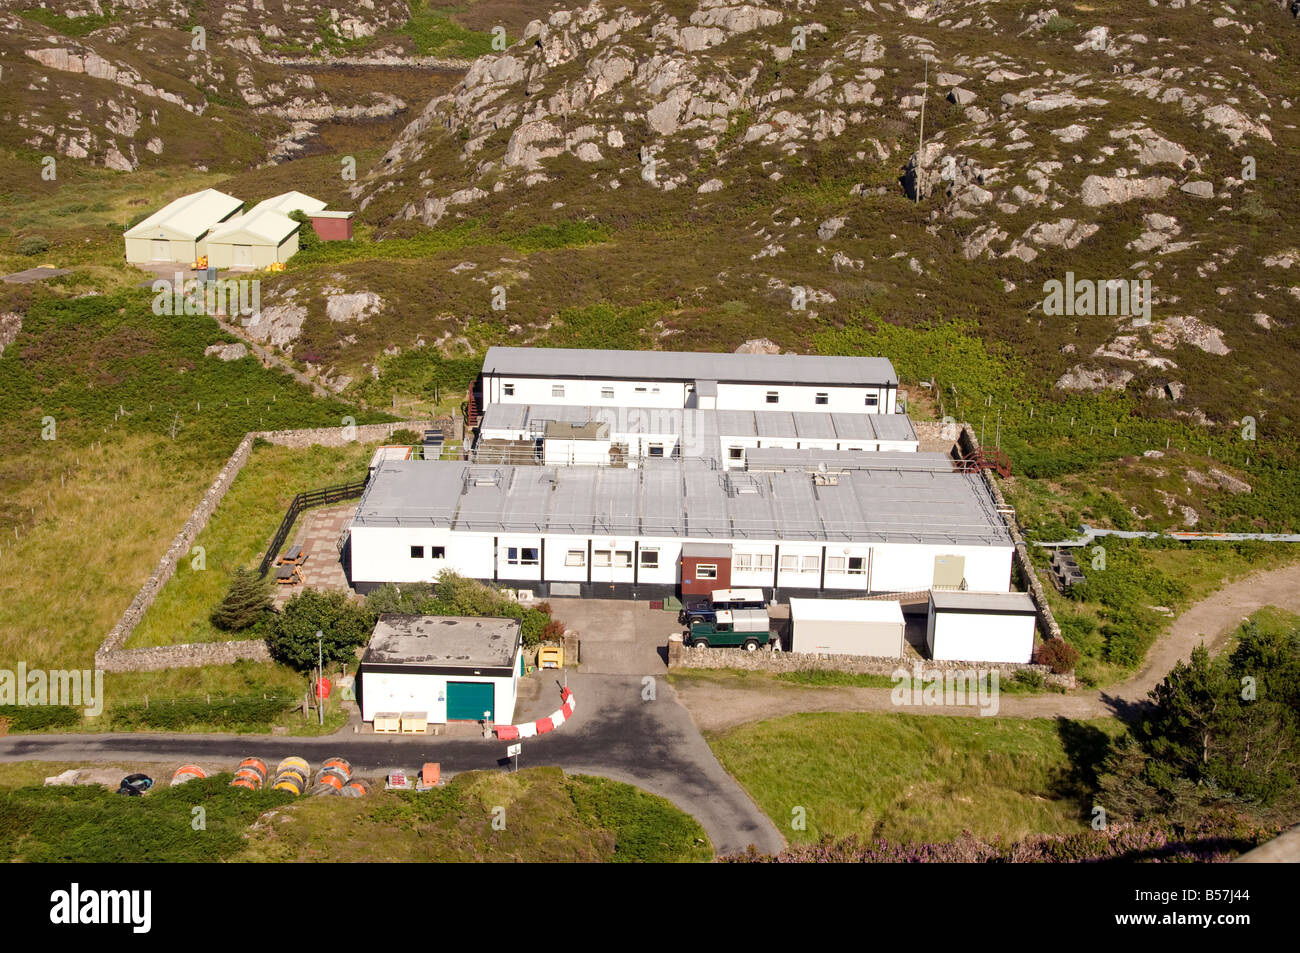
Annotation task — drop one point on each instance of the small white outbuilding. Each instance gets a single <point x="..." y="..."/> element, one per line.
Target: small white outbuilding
<point x="443" y="668"/>
<point x="965" y="626"/>
<point x="871" y="627"/>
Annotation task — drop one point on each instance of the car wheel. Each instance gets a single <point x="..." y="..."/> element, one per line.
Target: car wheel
<point x="751" y="645"/>
<point x="700" y="644"/>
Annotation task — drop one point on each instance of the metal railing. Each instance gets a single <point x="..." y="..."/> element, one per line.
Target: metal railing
<point x="304" y="501"/>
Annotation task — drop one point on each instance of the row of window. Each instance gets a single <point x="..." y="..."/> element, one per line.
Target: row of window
<point x="557" y="391"/>
<point x="762" y="562"/>
<point x="435" y="552"/>
<point x="821" y="398"/>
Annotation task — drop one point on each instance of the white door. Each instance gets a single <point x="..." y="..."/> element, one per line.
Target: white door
<point x="243" y="256"/>
<point x="162" y="249"/>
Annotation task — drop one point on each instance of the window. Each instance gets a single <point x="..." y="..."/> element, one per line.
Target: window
<point x="811" y="563"/>
<point x="417" y="552"/>
<point x="622" y="558"/>
<point x="600" y="558"/>
<point x="789" y="563"/>
<point x="736" y="453"/>
<point x="873" y="400"/>
<point x="822" y="398"/>
<point x="706" y="571"/>
<point x="753" y="562"/>
<point x="640" y="390"/>
<point x="857" y="564"/>
<point x="773" y="397"/>
<point x="508" y="390"/>
<point x="521" y="556"/>
<point x="557" y="390"/>
<point x="656" y="449"/>
<point x="743" y="562"/>
<point x="649" y="559"/>
<point x="575" y="557"/>
<point x="834" y="563"/>
<point x="763" y="562"/>
<point x="437" y="552"/>
<point x="607" y="393"/>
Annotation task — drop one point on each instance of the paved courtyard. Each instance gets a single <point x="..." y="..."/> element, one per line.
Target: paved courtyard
<point x="619" y="637"/>
<point x="317" y="531"/>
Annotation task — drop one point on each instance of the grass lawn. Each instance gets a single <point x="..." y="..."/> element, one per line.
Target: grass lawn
<point x="238" y="533"/>
<point x="915" y="778"/>
<point x="541" y="815"/>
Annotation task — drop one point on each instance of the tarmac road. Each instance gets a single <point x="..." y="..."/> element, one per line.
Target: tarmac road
<point x="615" y="733"/>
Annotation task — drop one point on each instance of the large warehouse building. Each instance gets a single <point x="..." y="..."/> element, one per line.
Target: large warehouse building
<point x="896" y="522"/>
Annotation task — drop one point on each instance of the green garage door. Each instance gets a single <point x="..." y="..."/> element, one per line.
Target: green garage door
<point x="466" y="701"/>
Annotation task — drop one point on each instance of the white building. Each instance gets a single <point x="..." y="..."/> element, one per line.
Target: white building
<point x="178" y="231"/>
<point x="662" y="379"/>
<point x="974" y="626"/>
<point x="872" y="627"/>
<point x="895" y="522"/>
<point x="571" y="434"/>
<point x="445" y="668"/>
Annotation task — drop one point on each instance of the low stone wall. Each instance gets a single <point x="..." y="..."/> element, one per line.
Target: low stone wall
<point x="681" y="657"/>
<point x="111" y="657"/>
<point x="188" y="655"/>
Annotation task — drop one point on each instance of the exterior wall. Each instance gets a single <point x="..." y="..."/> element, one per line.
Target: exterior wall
<point x="287" y="248"/>
<point x="590" y="392"/>
<point x="332" y="229"/>
<point x="905" y="568"/>
<point x="140" y="251"/>
<point x="878" y="639"/>
<point x="386" y="691"/>
<point x="583" y="393"/>
<point x="797" y="397"/>
<point x="976" y="637"/>
<point x="575" y="452"/>
<point x="382" y="554"/>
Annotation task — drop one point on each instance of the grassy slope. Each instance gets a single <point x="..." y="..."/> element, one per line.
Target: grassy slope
<point x="548" y="818"/>
<point x="912" y="777"/>
<point x="238" y="534"/>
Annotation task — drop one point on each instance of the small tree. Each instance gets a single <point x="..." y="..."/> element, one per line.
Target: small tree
<point x="246" y="603"/>
<point x="1058" y="654"/>
<point x="307" y="237"/>
<point x="344" y="624"/>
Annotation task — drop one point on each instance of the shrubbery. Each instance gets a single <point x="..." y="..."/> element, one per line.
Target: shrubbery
<point x="33" y="245"/>
<point x="233" y="713"/>
<point x="246" y="603"/>
<point x="344" y="625"/>
<point x="457" y="595"/>
<point x="39" y="717"/>
<point x="1058" y="654"/>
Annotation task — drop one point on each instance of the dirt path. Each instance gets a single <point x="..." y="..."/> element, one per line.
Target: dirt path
<point x="719" y="704"/>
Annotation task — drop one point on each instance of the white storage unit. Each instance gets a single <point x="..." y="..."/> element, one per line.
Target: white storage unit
<point x="452" y="667"/>
<point x="178" y="231"/>
<point x="967" y="626"/>
<point x="872" y="627"/>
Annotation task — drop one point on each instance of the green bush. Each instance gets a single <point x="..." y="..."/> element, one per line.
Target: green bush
<point x="344" y="625"/>
<point x="39" y="717"/>
<point x="233" y="713"/>
<point x="33" y="245"/>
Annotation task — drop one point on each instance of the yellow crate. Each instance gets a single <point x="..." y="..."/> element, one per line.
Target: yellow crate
<point x="415" y="722"/>
<point x="387" y="722"/>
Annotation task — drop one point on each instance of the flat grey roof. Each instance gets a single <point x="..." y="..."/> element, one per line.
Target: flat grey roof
<point x="778" y="458"/>
<point x="434" y="641"/>
<point x="702" y="424"/>
<point x="968" y="601"/>
<point x="689" y="366"/>
<point x="690" y="499"/>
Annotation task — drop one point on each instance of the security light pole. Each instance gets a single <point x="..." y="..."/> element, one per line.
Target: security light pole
<point x="320" y="673"/>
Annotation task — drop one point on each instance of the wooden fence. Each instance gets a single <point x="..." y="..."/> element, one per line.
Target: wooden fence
<point x="303" y="501"/>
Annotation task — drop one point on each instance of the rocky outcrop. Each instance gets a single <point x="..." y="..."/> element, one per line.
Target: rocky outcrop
<point x="226" y="352"/>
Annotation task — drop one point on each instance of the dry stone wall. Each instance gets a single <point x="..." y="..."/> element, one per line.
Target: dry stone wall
<point x="681" y="657"/>
<point x="111" y="657"/>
